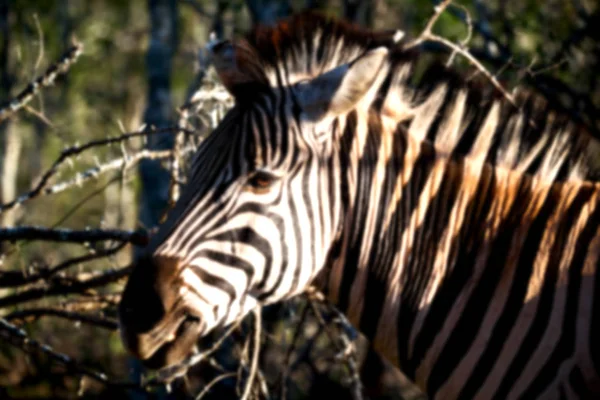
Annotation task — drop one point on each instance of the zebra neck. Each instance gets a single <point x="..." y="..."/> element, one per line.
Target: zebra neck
<point x="422" y="231"/>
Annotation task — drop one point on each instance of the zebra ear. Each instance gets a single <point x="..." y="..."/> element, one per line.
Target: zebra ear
<point x="236" y="65"/>
<point x="339" y="90"/>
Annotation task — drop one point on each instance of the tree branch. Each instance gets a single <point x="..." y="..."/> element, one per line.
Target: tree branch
<point x="59" y="287"/>
<point x="35" y="313"/>
<point x="139" y="237"/>
<point x="45" y="80"/>
<point x="18" y="338"/>
<point x="127" y="161"/>
<point x="19" y="278"/>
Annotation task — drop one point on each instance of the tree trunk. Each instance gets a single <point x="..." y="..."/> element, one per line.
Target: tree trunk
<point x="159" y="109"/>
<point x="10" y="141"/>
<point x="268" y="12"/>
<point x="163" y="42"/>
<point x="360" y="11"/>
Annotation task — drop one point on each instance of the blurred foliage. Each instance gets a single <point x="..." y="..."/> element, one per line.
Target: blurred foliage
<point x="551" y="45"/>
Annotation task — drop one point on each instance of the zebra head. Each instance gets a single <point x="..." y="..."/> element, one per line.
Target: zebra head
<point x="261" y="210"/>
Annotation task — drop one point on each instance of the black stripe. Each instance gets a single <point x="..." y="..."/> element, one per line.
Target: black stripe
<point x="229" y="260"/>
<point x="538" y="326"/>
<point x="565" y="347"/>
<point x="384" y="243"/>
<point x="520" y="282"/>
<point x="594" y="342"/>
<point x="466" y="329"/>
<point x="299" y="243"/>
<point x="278" y="221"/>
<point x="364" y="182"/>
<point x="343" y="186"/>
<point x="310" y="221"/>
<point x="215" y="281"/>
<point x="580" y="386"/>
<point x="405" y="207"/>
<point x="463" y="251"/>
<point x="250" y="237"/>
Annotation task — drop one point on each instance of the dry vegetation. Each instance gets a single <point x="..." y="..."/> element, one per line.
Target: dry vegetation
<point x="79" y="137"/>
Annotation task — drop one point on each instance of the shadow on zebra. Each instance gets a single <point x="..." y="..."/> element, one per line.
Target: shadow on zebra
<point x="456" y="230"/>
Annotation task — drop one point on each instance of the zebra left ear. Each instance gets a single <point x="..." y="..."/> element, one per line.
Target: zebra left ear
<point x="339" y="90"/>
<point x="235" y="63"/>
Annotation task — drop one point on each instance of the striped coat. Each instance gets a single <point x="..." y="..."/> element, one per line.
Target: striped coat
<point x="456" y="231"/>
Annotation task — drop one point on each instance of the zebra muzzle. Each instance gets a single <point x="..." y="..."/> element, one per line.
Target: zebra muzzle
<point x="177" y="345"/>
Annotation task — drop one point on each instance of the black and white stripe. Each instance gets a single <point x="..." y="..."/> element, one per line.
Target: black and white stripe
<point x="459" y="233"/>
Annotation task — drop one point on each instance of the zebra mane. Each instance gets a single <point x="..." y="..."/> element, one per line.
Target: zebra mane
<point x="460" y="117"/>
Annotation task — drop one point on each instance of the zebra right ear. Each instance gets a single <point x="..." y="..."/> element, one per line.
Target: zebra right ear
<point x="236" y="64"/>
<point x="341" y="89"/>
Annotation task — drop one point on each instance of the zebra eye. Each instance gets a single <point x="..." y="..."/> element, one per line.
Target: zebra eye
<point x="261" y="181"/>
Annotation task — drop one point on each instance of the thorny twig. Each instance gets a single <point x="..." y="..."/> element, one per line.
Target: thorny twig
<point x="139" y="237"/>
<point x="286" y="370"/>
<point x="60" y="287"/>
<point x="427" y="31"/>
<point x="197" y="95"/>
<point x="212" y="383"/>
<point x="428" y="35"/>
<point x="17" y="337"/>
<point x="42" y="186"/>
<point x="35" y="313"/>
<point x="347" y="351"/>
<point x="170" y="373"/>
<point x="45" y="80"/>
<point x="19" y="278"/>
<point x="255" y="354"/>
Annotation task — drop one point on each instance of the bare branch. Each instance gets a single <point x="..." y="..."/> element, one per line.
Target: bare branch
<point x="45" y="80"/>
<point x="255" y="353"/>
<point x="475" y="62"/>
<point x="286" y="370"/>
<point x="198" y="8"/>
<point x="427" y="31"/>
<point x="17" y="337"/>
<point x="19" y="278"/>
<point x="41" y="187"/>
<point x="428" y="35"/>
<point x="139" y="238"/>
<point x="347" y="351"/>
<point x="59" y="287"/>
<point x="169" y="373"/>
<point x="212" y="383"/>
<point x="35" y="313"/>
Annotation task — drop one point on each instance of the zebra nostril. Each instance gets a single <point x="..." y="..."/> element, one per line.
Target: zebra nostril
<point x="192" y="318"/>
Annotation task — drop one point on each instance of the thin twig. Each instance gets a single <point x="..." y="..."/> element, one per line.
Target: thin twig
<point x="428" y="35"/>
<point x="467" y="39"/>
<point x="63" y="287"/>
<point x="36" y="313"/>
<point x="286" y="370"/>
<point x="19" y="278"/>
<point x="41" y="187"/>
<point x="169" y="373"/>
<point x="139" y="237"/>
<point x="45" y="80"/>
<point x="17" y="337"/>
<point x="255" y="354"/>
<point x="38" y="26"/>
<point x="212" y="383"/>
<point x="437" y="12"/>
<point x="90" y="174"/>
<point x="346" y="350"/>
<point x="39" y="116"/>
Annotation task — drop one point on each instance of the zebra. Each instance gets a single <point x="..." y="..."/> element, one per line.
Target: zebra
<point x="456" y="229"/>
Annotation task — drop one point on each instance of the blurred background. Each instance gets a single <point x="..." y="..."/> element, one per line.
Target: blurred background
<point x="141" y="62"/>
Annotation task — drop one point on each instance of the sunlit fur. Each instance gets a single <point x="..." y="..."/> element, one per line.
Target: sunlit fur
<point x="456" y="231"/>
